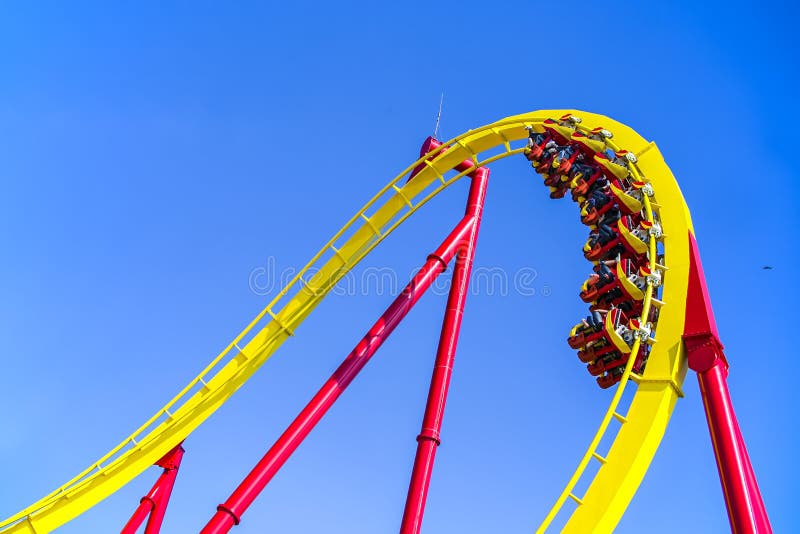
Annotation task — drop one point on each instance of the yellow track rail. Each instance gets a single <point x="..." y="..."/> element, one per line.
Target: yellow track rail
<point x="623" y="466"/>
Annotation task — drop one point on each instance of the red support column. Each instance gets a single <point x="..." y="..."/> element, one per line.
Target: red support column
<point x="229" y="513"/>
<point x="746" y="510"/>
<point x="430" y="436"/>
<point x="155" y="502"/>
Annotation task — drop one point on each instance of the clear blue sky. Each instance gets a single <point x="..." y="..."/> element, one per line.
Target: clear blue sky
<point x="152" y="156"/>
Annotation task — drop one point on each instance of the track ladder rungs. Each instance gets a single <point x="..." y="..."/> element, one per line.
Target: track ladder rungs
<point x="470" y="151"/>
<point x="620" y="418"/>
<point x="375" y="229"/>
<point x="599" y="458"/>
<point x="439" y="175"/>
<point x="279" y="322"/>
<point x="306" y="285"/>
<point x="339" y="255"/>
<point x="403" y="196"/>
<point x="499" y="134"/>
<point x="241" y="351"/>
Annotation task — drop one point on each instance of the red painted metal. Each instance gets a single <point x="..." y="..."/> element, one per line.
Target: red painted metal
<point x="154" y="504"/>
<point x="429" y="437"/>
<point x="430" y="144"/>
<point x="229" y="513"/>
<point x="746" y="510"/>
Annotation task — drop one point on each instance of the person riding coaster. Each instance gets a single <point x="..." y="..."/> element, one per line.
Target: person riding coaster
<point x="597" y="203"/>
<point x="615" y="281"/>
<point x="566" y="156"/>
<point x="627" y="200"/>
<point x="588" y="330"/>
<point x="625" y="237"/>
<point x="583" y="177"/>
<point x="632" y="308"/>
<point x="538" y="143"/>
<point x="558" y="183"/>
<point x="616" y="335"/>
<point x="605" y="274"/>
<point x="601" y="328"/>
<point x="549" y="168"/>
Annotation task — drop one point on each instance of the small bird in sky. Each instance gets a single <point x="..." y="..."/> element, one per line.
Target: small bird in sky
<point x="767" y="267"/>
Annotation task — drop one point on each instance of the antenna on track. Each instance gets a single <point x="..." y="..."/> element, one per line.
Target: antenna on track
<point x="438" y="116"/>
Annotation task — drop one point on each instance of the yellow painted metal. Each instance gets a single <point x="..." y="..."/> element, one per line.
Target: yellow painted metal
<point x="630" y="202"/>
<point x="614" y="336"/>
<point x="642" y="428"/>
<point x="630" y="288"/>
<point x="635" y="243"/>
<point x="624" y="465"/>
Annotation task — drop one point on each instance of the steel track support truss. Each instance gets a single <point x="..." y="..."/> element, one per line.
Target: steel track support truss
<point x="459" y="244"/>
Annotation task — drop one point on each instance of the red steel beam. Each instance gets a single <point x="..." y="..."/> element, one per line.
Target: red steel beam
<point x="154" y="504"/>
<point x="746" y="511"/>
<point x="429" y="437"/>
<point x="229" y="513"/>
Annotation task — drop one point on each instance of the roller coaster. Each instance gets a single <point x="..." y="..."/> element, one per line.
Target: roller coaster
<point x="650" y="321"/>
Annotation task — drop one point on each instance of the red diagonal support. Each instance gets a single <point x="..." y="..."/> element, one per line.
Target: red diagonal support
<point x="746" y="510"/>
<point x="155" y="502"/>
<point x="429" y="437"/>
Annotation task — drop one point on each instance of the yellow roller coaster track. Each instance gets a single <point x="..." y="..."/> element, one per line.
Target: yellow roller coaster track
<point x="636" y="433"/>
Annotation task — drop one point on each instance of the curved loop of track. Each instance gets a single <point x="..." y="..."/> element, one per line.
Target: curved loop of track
<point x="641" y="429"/>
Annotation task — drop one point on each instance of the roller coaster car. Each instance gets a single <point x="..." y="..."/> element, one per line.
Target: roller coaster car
<point x="634" y="283"/>
<point x="598" y="349"/>
<point x="537" y="145"/>
<point x="613" y="336"/>
<point x="614" y="374"/>
<point x="611" y="378"/>
<point x="630" y="307"/>
<point x="602" y="241"/>
<point x="626" y="283"/>
<point x="616" y="168"/>
<point x="593" y="143"/>
<point x="584" y="332"/>
<point x="580" y="338"/>
<point x="559" y="191"/>
<point x="604" y="278"/>
<point x="561" y="130"/>
<point x="620" y="239"/>
<point x="545" y="164"/>
<point x="617" y="297"/>
<point x="610" y="217"/>
<point x="596" y="206"/>
<point x="629" y="200"/>
<point x="565" y="158"/>
<point x="606" y="363"/>
<point x="584" y="176"/>
<point x="552" y="177"/>
<point x="634" y="236"/>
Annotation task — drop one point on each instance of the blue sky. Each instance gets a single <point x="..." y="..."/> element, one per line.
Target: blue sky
<point x="153" y="156"/>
